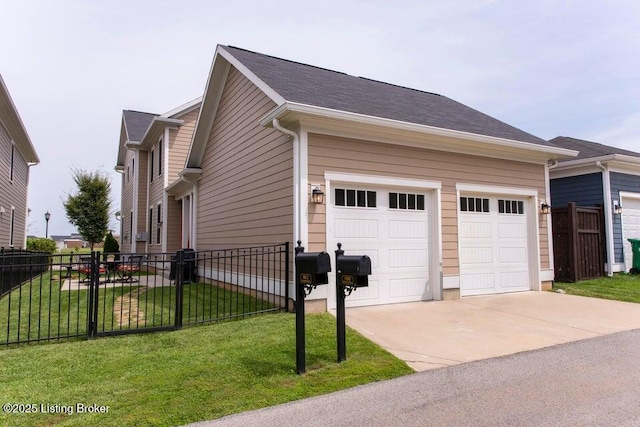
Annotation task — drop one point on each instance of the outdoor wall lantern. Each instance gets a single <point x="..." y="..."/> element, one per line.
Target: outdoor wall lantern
<point x="545" y="208"/>
<point x="118" y="215"/>
<point x="617" y="207"/>
<point x="317" y="195"/>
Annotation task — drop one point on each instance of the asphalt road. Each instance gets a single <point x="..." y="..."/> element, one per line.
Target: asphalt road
<point x="595" y="382"/>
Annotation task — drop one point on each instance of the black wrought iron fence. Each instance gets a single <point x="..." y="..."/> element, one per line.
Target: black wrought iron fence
<point x="19" y="265"/>
<point x="83" y="296"/>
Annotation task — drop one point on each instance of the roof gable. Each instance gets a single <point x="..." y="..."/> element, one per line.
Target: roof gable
<point x="136" y="124"/>
<point x="306" y="84"/>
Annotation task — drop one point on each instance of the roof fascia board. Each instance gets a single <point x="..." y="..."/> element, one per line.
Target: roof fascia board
<point x="584" y="169"/>
<point x="183" y="109"/>
<point x="503" y="144"/>
<point x="16" y="128"/>
<point x="275" y="96"/>
<point x="620" y="160"/>
<point x="208" y="109"/>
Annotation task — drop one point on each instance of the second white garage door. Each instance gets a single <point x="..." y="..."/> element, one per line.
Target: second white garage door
<point x="630" y="225"/>
<point x="391" y="226"/>
<point x="493" y="245"/>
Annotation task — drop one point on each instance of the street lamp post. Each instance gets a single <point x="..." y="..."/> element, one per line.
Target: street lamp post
<point x="47" y="215"/>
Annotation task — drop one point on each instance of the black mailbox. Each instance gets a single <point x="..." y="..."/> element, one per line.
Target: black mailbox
<point x="312" y="268"/>
<point x="353" y="270"/>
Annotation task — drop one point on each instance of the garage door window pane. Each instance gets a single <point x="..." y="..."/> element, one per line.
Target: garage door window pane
<point x="362" y="201"/>
<point x="420" y="202"/>
<point x="412" y="201"/>
<point x="393" y="200"/>
<point x="521" y="208"/>
<point x="351" y="197"/>
<point x="402" y="201"/>
<point x="339" y="197"/>
<point x="463" y="204"/>
<point x="371" y="199"/>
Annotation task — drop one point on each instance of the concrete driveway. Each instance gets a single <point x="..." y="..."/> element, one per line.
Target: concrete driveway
<point x="435" y="334"/>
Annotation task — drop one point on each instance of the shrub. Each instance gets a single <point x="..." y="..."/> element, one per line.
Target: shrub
<point x="40" y="244"/>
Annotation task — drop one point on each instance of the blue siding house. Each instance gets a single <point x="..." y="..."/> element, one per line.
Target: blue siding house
<point x="606" y="176"/>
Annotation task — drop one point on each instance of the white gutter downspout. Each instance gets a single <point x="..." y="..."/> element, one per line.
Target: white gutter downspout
<point x="547" y="184"/>
<point x="297" y="208"/>
<point x="606" y="184"/>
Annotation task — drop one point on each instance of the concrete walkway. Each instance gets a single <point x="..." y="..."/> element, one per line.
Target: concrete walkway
<point x="429" y="335"/>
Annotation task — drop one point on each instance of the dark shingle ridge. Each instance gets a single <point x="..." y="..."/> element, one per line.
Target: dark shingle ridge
<point x="288" y="60"/>
<point x="589" y="149"/>
<point x="399" y="86"/>
<point x="320" y="87"/>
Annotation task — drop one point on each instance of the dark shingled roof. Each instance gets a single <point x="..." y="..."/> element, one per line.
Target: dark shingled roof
<point x="589" y="149"/>
<point x="137" y="123"/>
<point x="320" y="87"/>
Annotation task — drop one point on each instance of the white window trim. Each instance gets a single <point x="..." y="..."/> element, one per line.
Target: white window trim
<point x="12" y="227"/>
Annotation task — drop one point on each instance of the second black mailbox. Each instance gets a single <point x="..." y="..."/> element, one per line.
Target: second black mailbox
<point x="353" y="270"/>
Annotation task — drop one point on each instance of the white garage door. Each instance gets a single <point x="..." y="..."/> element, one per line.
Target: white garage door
<point x="630" y="226"/>
<point x="493" y="248"/>
<point x="391" y="227"/>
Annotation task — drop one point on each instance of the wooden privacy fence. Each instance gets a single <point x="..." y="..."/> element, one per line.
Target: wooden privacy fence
<point x="578" y="242"/>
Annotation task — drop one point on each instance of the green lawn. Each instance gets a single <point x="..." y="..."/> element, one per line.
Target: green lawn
<point x="198" y="373"/>
<point x="621" y="287"/>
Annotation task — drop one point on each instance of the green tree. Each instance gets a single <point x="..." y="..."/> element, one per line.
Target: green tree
<point x="88" y="209"/>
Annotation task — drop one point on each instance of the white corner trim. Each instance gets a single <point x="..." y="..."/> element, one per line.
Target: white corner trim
<point x="303" y="198"/>
<point x="492" y="189"/>
<point x="547" y="275"/>
<point x="451" y="282"/>
<point x="381" y="180"/>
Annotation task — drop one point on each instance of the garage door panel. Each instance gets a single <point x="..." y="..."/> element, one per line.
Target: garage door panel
<point x="475" y="229"/>
<point x="512" y="231"/>
<point x="355" y="228"/>
<point x="403" y="258"/>
<point x="367" y="294"/>
<point x="407" y="229"/>
<point x="512" y="254"/>
<point x="409" y="286"/>
<point x="514" y="279"/>
<point x="478" y="283"/>
<point x="476" y="255"/>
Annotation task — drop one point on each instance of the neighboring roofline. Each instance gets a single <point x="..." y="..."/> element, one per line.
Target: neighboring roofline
<point x="15" y="126"/>
<point x="292" y="107"/>
<point x="609" y="158"/>
<point x="184" y="108"/>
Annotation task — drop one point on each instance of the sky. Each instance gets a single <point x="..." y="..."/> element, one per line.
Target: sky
<point x="550" y="68"/>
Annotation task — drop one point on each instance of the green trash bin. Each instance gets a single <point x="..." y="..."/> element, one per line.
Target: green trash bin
<point x="635" y="250"/>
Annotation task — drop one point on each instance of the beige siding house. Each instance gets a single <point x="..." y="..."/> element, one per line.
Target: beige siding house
<point x="17" y="155"/>
<point x="151" y="154"/>
<point x="444" y="199"/>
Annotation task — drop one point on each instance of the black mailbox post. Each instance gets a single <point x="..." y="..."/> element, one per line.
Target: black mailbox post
<point x="352" y="271"/>
<point x="311" y="271"/>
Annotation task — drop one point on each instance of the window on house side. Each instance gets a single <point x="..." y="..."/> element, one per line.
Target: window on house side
<point x="150" y="222"/>
<point x="160" y="157"/>
<point x="13" y="149"/>
<point x="159" y="230"/>
<point x="151" y="166"/>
